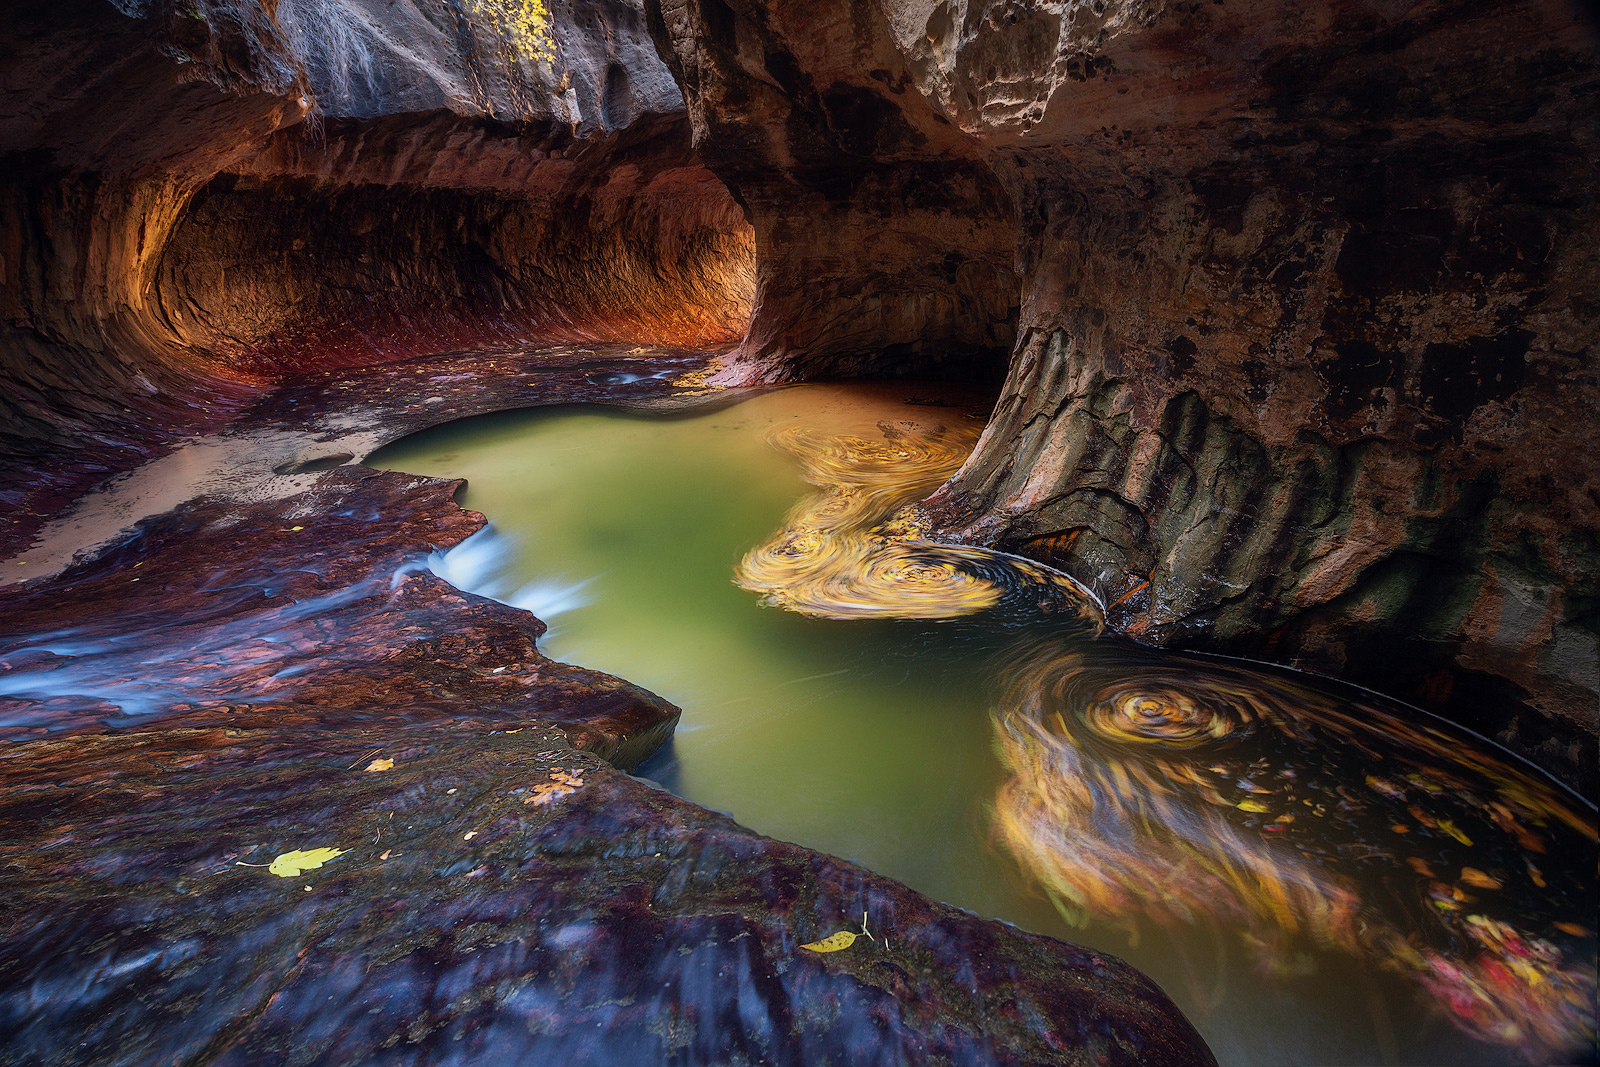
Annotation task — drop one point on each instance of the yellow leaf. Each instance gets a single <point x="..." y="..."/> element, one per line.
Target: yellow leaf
<point x="380" y="765"/>
<point x="1450" y="828"/>
<point x="292" y="864"/>
<point x="833" y="942"/>
<point x="1251" y="805"/>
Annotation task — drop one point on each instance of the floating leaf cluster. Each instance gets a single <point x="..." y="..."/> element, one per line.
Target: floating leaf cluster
<point x="1184" y="790"/>
<point x="848" y="551"/>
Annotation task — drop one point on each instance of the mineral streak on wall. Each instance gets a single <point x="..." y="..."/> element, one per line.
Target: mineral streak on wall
<point x="1303" y="363"/>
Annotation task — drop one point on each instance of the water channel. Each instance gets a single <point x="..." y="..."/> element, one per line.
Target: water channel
<point x="1315" y="875"/>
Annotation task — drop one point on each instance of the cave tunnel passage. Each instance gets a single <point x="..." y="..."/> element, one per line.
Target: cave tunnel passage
<point x="284" y="273"/>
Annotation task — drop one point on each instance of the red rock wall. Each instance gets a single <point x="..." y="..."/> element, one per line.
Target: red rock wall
<point x="205" y="196"/>
<point x="338" y="253"/>
<point x="1298" y="301"/>
<point x="883" y="241"/>
<point x="1304" y="365"/>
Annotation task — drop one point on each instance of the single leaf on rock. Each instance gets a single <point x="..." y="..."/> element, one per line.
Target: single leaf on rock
<point x="833" y="942"/>
<point x="293" y="864"/>
<point x="380" y="765"/>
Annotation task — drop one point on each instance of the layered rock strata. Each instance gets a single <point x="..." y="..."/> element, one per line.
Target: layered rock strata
<point x="1304" y="366"/>
<point x="464" y="921"/>
<point x="198" y="198"/>
<point x="883" y="239"/>
<point x="236" y="681"/>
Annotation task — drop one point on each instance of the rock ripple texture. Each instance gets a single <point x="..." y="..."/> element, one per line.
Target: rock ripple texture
<point x="234" y="682"/>
<point x="464" y="925"/>
<point x="1297" y="302"/>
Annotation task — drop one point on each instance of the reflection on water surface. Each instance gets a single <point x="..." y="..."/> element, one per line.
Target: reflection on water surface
<point x="1314" y="877"/>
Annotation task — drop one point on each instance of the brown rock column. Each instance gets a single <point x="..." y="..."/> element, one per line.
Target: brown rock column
<point x="1304" y="366"/>
<point x="883" y="241"/>
<point x="1306" y="337"/>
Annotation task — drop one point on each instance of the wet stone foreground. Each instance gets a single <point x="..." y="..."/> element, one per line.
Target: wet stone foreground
<point x="501" y="892"/>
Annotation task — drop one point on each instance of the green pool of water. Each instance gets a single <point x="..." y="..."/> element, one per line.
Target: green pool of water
<point x="870" y="740"/>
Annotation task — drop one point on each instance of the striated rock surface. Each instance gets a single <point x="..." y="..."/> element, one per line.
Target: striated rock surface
<point x="197" y="198"/>
<point x="883" y="240"/>
<point x="466" y="920"/>
<point x="1304" y="365"/>
<point x="1307" y="354"/>
<point x="237" y="680"/>
<point x="422" y="233"/>
<point x="321" y="600"/>
<point x="1302" y="346"/>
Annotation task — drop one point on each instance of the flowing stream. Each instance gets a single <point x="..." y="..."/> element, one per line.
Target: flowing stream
<point x="1316" y="875"/>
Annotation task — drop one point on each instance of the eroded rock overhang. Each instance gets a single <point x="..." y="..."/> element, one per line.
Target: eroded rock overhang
<point x="1303" y="364"/>
<point x="1293" y="301"/>
<point x="258" y="222"/>
<point x="203" y="198"/>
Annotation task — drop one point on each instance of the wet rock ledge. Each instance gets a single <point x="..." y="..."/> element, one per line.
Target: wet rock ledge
<point x="464" y="924"/>
<point x="237" y="681"/>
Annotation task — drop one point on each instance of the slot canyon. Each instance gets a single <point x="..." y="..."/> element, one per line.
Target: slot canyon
<point x="856" y="532"/>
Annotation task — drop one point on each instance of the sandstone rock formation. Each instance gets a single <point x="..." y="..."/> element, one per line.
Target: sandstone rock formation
<point x="1294" y="307"/>
<point x="883" y="240"/>
<point x="236" y="681"/>
<point x="197" y="197"/>
<point x="1301" y="351"/>
<point x="463" y="924"/>
<point x="1304" y="360"/>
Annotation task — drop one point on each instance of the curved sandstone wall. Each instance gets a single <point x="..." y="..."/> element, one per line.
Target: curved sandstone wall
<point x="199" y="197"/>
<point x="341" y="253"/>
<point x="1304" y="361"/>
<point x="883" y="238"/>
<point x="1295" y="303"/>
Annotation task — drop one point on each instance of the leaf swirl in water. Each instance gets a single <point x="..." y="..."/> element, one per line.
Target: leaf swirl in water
<point x="1187" y="790"/>
<point x="848" y="551"/>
